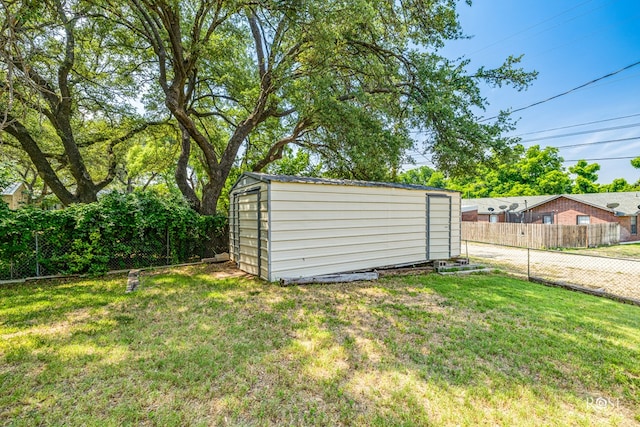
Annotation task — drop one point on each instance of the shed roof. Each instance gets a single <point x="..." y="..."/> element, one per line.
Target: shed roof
<point x="264" y="177"/>
<point x="11" y="189"/>
<point x="628" y="202"/>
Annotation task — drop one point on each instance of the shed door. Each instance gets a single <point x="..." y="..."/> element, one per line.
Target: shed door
<point x="234" y="228"/>
<point x="438" y="226"/>
<point x="248" y="228"/>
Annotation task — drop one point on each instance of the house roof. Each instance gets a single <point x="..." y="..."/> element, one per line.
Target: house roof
<point x="628" y="202"/>
<point x="11" y="189"/>
<point x="490" y="205"/>
<point x="264" y="177"/>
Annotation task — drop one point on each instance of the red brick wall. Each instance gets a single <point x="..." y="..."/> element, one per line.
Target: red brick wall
<point x="470" y="216"/>
<point x="566" y="212"/>
<point x="625" y="230"/>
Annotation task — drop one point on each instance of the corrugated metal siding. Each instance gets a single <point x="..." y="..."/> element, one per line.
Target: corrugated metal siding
<point x="264" y="232"/>
<point x="248" y="232"/>
<point x="324" y="229"/>
<point x="247" y="225"/>
<point x="233" y="224"/>
<point x="456" y="224"/>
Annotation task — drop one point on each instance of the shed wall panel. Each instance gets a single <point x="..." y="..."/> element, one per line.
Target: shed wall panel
<point x="324" y="229"/>
<point x="456" y="228"/>
<point x="339" y="225"/>
<point x="349" y="261"/>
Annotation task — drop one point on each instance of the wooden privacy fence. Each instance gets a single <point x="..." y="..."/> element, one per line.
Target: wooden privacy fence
<point x="541" y="236"/>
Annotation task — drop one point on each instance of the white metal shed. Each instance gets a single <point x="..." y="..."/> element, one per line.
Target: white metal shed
<point x="291" y="227"/>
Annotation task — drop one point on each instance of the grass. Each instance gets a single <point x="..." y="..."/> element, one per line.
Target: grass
<point x="616" y="251"/>
<point x="197" y="346"/>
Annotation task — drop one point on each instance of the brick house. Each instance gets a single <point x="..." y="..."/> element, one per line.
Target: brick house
<point x="564" y="209"/>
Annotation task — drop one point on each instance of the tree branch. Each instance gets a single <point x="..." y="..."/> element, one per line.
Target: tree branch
<point x="256" y="32"/>
<point x="130" y="134"/>
<point x="277" y="149"/>
<point x="21" y="134"/>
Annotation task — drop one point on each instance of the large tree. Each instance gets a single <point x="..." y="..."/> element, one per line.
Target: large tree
<point x="347" y="81"/>
<point x="66" y="86"/>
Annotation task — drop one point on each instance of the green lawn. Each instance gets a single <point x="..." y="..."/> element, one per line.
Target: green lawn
<point x="616" y="251"/>
<point x="196" y="346"/>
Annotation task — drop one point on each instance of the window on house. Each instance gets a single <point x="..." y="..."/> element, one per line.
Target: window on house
<point x="584" y="219"/>
<point x="634" y="225"/>
<point x="547" y="219"/>
<point x="493" y="218"/>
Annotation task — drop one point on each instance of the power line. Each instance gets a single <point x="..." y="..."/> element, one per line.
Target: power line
<point x="602" y="159"/>
<point x="583" y="132"/>
<point x="578" y="125"/>
<point x="568" y="91"/>
<point x="556" y="128"/>
<point x="599" y="142"/>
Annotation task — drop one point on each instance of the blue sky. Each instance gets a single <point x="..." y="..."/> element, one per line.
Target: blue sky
<point x="569" y="42"/>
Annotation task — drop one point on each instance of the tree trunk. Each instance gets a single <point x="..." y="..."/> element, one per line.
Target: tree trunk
<point x="210" y="195"/>
<point x="181" y="174"/>
<point x="46" y="172"/>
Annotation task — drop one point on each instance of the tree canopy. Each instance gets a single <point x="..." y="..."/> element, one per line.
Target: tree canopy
<point x="65" y="83"/>
<point x="237" y="85"/>
<point x="528" y="172"/>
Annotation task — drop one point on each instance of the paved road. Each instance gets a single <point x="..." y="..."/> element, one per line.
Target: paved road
<point x="614" y="275"/>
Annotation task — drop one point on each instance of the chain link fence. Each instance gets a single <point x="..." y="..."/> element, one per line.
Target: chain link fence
<point x="45" y="256"/>
<point x="597" y="274"/>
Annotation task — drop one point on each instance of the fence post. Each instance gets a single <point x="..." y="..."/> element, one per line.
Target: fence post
<point x="37" y="255"/>
<point x="168" y="248"/>
<point x="528" y="263"/>
<point x="588" y="230"/>
<point x="466" y="244"/>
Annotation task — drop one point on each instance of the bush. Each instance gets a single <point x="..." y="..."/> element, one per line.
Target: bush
<point x="120" y="231"/>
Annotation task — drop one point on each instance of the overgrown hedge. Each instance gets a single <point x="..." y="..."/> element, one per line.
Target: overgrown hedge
<point x="120" y="231"/>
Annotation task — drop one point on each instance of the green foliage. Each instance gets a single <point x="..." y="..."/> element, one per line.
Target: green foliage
<point x="424" y="175"/>
<point x="296" y="163"/>
<point x="119" y="231"/>
<point x="419" y="176"/>
<point x="6" y="175"/>
<point x="618" y="184"/>
<point x="525" y="172"/>
<point x="531" y="171"/>
<point x="356" y="144"/>
<point x="586" y="177"/>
